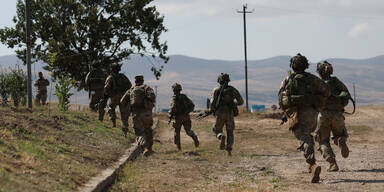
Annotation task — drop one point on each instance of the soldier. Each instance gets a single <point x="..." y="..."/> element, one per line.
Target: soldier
<point x="331" y="119"/>
<point x="181" y="106"/>
<point x="225" y="109"/>
<point x="302" y="96"/>
<point x="115" y="87"/>
<point x="95" y="80"/>
<point x="141" y="99"/>
<point x="41" y="83"/>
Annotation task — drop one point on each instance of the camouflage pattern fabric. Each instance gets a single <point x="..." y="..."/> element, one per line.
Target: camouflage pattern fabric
<point x="96" y="96"/>
<point x="142" y="115"/>
<point x="330" y="121"/>
<point x="95" y="80"/>
<point x="115" y="91"/>
<point x="41" y="96"/>
<point x="224" y="111"/>
<point x="302" y="117"/>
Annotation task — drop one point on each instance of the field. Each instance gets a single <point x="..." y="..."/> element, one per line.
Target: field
<point x="264" y="159"/>
<point x="48" y="150"/>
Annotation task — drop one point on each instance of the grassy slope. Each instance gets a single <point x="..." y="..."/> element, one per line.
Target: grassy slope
<point x="56" y="152"/>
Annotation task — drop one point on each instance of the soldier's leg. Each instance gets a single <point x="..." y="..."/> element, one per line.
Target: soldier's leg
<point x="218" y="129"/>
<point x="322" y="136"/>
<point x="37" y="99"/>
<point x="101" y="109"/>
<point x="44" y="98"/>
<point x="111" y="111"/>
<point x="340" y="133"/>
<point x="124" y="113"/>
<point x="230" y="126"/>
<point x="148" y="132"/>
<point x="92" y="101"/>
<point x="188" y="129"/>
<point x="177" y="126"/>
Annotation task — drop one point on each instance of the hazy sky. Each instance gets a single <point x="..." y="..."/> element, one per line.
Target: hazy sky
<point x="212" y="29"/>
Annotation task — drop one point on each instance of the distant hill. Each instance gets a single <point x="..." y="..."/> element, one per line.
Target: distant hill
<point x="198" y="76"/>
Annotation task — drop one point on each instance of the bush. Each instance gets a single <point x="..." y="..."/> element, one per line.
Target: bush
<point x="62" y="92"/>
<point x="4" y="87"/>
<point x="18" y="86"/>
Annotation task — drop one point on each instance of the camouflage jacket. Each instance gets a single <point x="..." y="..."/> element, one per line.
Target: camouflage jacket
<point x="148" y="98"/>
<point x="180" y="105"/>
<point x="41" y="84"/>
<point x="95" y="79"/>
<point x="339" y="94"/>
<point x="308" y="91"/>
<point x="223" y="97"/>
<point x="116" y="84"/>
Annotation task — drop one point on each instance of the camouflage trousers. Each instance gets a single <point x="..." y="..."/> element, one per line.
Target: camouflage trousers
<point x="96" y="96"/>
<point x="225" y="117"/>
<point x="182" y="120"/>
<point x="41" y="97"/>
<point x="303" y="123"/>
<point x="142" y="124"/>
<point x="330" y="121"/>
<point x="124" y="110"/>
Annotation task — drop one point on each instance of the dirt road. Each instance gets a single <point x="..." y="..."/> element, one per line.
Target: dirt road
<point x="264" y="159"/>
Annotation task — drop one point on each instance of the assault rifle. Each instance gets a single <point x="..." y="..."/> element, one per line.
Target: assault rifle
<point x="204" y="114"/>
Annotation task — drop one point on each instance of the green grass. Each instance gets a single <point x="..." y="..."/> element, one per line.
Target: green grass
<point x="54" y="151"/>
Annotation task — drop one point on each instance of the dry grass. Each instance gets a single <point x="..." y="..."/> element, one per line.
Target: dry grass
<point x="56" y="152"/>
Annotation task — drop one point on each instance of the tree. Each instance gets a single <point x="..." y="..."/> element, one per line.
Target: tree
<point x="80" y="32"/>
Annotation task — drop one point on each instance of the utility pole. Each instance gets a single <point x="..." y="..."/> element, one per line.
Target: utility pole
<point x="354" y="92"/>
<point x="28" y="59"/>
<point x="244" y="12"/>
<point x="156" y="99"/>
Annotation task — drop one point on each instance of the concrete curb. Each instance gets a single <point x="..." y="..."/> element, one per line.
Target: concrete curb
<point x="102" y="181"/>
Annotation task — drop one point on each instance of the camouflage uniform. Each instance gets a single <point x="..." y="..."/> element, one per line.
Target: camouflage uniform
<point x="115" y="87"/>
<point x="302" y="104"/>
<point x="224" y="107"/>
<point x="95" y="80"/>
<point x="41" y="85"/>
<point x="180" y="108"/>
<point x="331" y="119"/>
<point x="141" y="112"/>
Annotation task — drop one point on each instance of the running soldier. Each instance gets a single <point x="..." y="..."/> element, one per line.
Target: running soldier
<point x="115" y="87"/>
<point x="141" y="99"/>
<point x="180" y="108"/>
<point x="301" y="96"/>
<point x="41" y="83"/>
<point x="224" y="108"/>
<point x="95" y="80"/>
<point x="331" y="119"/>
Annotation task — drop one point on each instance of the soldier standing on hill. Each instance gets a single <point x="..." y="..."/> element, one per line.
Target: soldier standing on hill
<point x="302" y="96"/>
<point x="224" y="108"/>
<point x="115" y="87"/>
<point x="331" y="119"/>
<point x="41" y="83"/>
<point x="95" y="80"/>
<point x="141" y="99"/>
<point x="181" y="106"/>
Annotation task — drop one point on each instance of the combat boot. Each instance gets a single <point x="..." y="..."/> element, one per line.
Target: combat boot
<point x="342" y="143"/>
<point x="222" y="142"/>
<point x="332" y="165"/>
<point x="316" y="170"/>
<point x="196" y="141"/>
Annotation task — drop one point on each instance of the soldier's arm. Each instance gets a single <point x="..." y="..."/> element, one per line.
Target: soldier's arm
<point x="126" y="98"/>
<point x="344" y="93"/>
<point x="151" y="94"/>
<point x="172" y="108"/>
<point x="283" y="84"/>
<point x="47" y="82"/>
<point x="239" y="99"/>
<point x="108" y="86"/>
<point x="36" y="84"/>
<point x="213" y="99"/>
<point x="87" y="79"/>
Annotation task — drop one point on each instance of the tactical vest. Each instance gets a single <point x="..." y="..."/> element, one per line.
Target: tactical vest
<point x="225" y="98"/>
<point x="183" y="104"/>
<point x="297" y="91"/>
<point x="139" y="98"/>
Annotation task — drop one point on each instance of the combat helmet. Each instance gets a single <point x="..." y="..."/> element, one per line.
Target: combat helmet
<point x="324" y="68"/>
<point x="223" y="78"/>
<point x="176" y="87"/>
<point x="299" y="63"/>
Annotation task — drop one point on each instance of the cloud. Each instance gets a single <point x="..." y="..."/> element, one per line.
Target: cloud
<point x="358" y="29"/>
